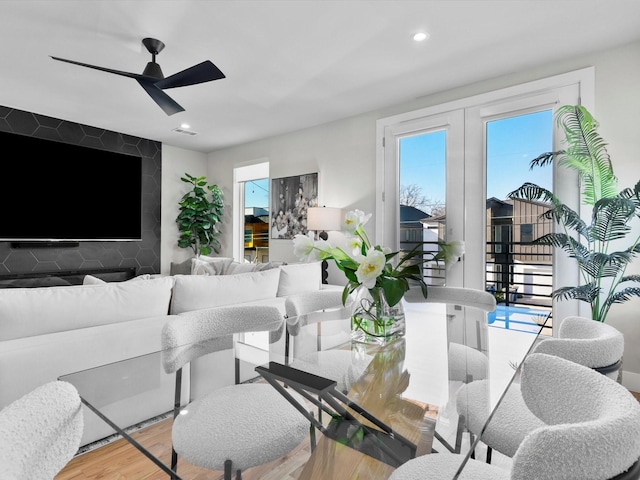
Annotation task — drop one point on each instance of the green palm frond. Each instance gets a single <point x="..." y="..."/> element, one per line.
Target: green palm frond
<point x="532" y="192"/>
<point x="573" y="247"/>
<point x="599" y="265"/>
<point x="568" y="217"/>
<point x="545" y="159"/>
<point x="632" y="194"/>
<point x="622" y="296"/>
<point x="611" y="217"/>
<point x="586" y="153"/>
<point x="586" y="293"/>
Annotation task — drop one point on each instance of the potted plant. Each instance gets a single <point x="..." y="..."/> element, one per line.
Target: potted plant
<point x="602" y="268"/>
<point x="201" y="211"/>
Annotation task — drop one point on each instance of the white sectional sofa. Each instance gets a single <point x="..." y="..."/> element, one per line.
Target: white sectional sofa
<point x="46" y="332"/>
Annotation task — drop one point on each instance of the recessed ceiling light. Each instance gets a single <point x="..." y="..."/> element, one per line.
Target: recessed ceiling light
<point x="185" y="125"/>
<point x="186" y="131"/>
<point x="420" y="36"/>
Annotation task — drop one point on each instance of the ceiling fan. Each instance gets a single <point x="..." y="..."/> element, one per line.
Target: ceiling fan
<point x="153" y="80"/>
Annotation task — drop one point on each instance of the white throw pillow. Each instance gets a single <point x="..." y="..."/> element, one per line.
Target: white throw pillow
<point x="299" y="277"/>
<point x="91" y="280"/>
<point x="204" y="265"/>
<point x="237" y="267"/>
<point x="196" y="292"/>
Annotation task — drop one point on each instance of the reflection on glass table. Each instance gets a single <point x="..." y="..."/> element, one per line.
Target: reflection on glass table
<point x="371" y="407"/>
<point x="400" y="399"/>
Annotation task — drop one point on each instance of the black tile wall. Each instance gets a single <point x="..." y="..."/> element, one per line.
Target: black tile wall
<point x="143" y="255"/>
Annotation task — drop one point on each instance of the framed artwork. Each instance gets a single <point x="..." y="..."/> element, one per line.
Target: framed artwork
<point x="290" y="199"/>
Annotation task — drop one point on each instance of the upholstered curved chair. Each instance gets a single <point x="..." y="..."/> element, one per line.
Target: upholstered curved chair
<point x="335" y="364"/>
<point x="593" y="344"/>
<point x="235" y="427"/>
<point x="590" y="430"/>
<point x="41" y="432"/>
<point x="469" y="297"/>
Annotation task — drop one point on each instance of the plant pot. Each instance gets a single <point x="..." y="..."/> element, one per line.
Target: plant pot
<point x="373" y="320"/>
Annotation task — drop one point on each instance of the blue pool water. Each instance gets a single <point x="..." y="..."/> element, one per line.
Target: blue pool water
<point x="517" y="318"/>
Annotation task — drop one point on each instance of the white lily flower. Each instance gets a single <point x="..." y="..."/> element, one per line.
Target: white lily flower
<point x="323" y="248"/>
<point x="303" y="247"/>
<point x="355" y="219"/>
<point x="453" y="251"/>
<point x="370" y="267"/>
<point x="354" y="245"/>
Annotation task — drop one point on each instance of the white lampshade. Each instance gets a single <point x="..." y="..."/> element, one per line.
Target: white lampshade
<point x="324" y="219"/>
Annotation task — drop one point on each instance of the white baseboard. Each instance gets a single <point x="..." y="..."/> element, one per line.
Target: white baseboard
<point x="631" y="380"/>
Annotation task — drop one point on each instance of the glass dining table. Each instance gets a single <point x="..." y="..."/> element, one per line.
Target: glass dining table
<point x="370" y="407"/>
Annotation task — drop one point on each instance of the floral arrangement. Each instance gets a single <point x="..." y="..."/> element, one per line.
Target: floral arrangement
<point x="372" y="266"/>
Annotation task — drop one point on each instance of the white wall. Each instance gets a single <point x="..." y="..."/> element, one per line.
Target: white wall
<point x="343" y="153"/>
<point x="175" y="163"/>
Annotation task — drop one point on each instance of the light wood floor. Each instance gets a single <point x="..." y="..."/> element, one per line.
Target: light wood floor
<point x="121" y="461"/>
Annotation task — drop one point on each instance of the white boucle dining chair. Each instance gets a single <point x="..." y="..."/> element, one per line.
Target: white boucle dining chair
<point x="590" y="430"/>
<point x="466" y="364"/>
<point x="590" y="343"/>
<point x="40" y="432"/>
<point x="593" y="344"/>
<point x="238" y="426"/>
<point x="335" y="364"/>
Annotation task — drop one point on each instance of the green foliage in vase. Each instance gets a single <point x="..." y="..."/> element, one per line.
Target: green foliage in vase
<point x="201" y="211"/>
<point x="373" y="266"/>
<point x="602" y="268"/>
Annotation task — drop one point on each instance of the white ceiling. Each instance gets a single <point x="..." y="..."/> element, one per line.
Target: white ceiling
<point x="289" y="64"/>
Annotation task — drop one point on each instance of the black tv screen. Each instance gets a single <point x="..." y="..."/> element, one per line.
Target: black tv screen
<point x="55" y="191"/>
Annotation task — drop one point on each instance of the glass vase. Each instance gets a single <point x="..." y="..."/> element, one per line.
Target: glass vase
<point x="373" y="320"/>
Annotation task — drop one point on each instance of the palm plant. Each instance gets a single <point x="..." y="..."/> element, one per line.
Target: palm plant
<point x="201" y="211"/>
<point x="602" y="269"/>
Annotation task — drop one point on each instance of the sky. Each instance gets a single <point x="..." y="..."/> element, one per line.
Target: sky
<point x="511" y="144"/>
<point x="256" y="193"/>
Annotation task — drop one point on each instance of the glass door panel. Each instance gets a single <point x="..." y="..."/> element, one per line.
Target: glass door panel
<point x="423" y="184"/>
<point x="517" y="272"/>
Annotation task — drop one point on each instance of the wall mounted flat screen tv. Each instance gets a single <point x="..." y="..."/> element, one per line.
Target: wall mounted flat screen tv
<point x="54" y="191"/>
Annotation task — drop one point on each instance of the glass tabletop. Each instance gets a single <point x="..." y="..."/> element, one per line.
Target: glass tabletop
<point x="373" y="407"/>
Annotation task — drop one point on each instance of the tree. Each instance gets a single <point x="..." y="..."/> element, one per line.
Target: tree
<point x="411" y="196"/>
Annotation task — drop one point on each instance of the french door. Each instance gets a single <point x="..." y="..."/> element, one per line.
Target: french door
<point x="470" y="142"/>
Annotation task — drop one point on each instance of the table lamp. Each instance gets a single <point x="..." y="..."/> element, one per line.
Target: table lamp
<point x="322" y="220"/>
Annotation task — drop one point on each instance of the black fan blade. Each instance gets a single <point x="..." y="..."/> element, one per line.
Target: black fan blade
<point x="200" y="73"/>
<point x="164" y="101"/>
<point x="137" y="76"/>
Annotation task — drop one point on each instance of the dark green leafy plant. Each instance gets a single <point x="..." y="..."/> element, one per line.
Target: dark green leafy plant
<point x="604" y="282"/>
<point x="201" y="211"/>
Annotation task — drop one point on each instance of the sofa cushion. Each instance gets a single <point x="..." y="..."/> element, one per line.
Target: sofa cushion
<point x="204" y="265"/>
<point x="26" y="312"/>
<point x="299" y="277"/>
<point x="196" y="292"/>
<point x="180" y="268"/>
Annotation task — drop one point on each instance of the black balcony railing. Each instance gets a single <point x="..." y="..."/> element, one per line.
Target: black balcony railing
<point x="516" y="272"/>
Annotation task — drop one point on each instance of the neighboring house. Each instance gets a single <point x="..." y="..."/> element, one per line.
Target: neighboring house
<point x="411" y="226"/>
<point x="512" y="264"/>
<point x="256" y="234"/>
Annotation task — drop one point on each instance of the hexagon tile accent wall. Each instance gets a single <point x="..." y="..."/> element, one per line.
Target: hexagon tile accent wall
<point x="144" y="255"/>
